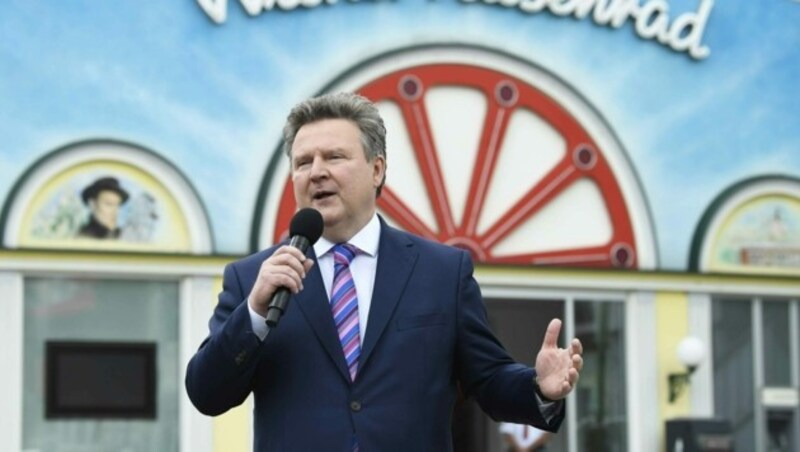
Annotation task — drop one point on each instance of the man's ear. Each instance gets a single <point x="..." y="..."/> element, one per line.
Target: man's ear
<point x="379" y="170"/>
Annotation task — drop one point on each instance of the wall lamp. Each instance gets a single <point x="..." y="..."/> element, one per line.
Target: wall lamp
<point x="691" y="352"/>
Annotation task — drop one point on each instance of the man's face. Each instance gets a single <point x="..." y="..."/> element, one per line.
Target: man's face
<point x="106" y="207"/>
<point x="331" y="173"/>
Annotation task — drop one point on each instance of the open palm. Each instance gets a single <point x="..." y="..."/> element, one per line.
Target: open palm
<point x="558" y="369"/>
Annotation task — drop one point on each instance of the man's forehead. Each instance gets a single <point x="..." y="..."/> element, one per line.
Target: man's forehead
<point x="325" y="135"/>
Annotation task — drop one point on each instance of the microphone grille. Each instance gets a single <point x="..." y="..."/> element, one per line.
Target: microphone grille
<point x="307" y="222"/>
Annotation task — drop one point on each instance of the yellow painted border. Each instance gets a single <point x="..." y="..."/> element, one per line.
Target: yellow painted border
<point x="232" y="431"/>
<point x="45" y="257"/>
<point x="672" y="317"/>
<point x="508" y="276"/>
<point x="626" y="279"/>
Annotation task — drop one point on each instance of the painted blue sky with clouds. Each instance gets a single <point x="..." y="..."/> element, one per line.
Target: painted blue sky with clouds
<point x="212" y="98"/>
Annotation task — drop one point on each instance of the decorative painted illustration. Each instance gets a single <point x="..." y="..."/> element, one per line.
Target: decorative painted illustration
<point x="106" y="205"/>
<point x="102" y="210"/>
<point x="764" y="232"/>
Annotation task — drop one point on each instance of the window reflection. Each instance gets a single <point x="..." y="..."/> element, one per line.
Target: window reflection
<point x="733" y="368"/>
<point x="601" y="394"/>
<point x="101" y="310"/>
<point x="777" y="370"/>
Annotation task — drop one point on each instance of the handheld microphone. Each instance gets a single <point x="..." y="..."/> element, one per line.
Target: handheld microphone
<point x="304" y="230"/>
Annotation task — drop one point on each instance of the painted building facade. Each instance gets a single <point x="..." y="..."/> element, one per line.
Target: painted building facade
<point x="613" y="164"/>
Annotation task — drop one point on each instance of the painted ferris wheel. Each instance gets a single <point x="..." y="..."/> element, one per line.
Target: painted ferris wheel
<point x="492" y="154"/>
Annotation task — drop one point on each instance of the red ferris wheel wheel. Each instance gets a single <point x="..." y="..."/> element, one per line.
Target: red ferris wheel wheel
<point x="529" y="186"/>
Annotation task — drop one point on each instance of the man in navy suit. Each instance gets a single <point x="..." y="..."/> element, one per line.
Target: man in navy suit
<point x="384" y="327"/>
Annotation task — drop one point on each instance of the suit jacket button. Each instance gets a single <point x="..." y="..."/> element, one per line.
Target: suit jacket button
<point x="355" y="405"/>
<point x="240" y="357"/>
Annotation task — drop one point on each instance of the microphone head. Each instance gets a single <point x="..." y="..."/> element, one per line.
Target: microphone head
<point x="307" y="222"/>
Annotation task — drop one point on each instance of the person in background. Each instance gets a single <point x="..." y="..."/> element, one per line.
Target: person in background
<point x="104" y="197"/>
<point x="524" y="438"/>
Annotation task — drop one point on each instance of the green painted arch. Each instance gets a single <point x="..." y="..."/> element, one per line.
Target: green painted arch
<point x="713" y="209"/>
<point x="40" y="162"/>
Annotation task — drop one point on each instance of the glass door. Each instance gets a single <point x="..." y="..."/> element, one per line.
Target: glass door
<point x="756" y="376"/>
<point x="600" y="399"/>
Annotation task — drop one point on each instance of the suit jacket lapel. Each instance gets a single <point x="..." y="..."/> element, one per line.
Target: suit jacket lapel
<point x="313" y="303"/>
<point x="396" y="259"/>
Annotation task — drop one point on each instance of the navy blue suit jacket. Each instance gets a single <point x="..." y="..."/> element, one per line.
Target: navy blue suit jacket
<point x="427" y="333"/>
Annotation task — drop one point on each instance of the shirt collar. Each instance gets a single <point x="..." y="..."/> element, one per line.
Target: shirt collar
<point x="366" y="240"/>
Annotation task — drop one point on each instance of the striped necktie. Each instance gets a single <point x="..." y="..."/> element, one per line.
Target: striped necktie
<point x="344" y="305"/>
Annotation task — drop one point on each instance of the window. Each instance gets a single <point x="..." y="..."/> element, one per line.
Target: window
<point x="601" y="394"/>
<point x="777" y="368"/>
<point x="83" y="310"/>
<point x="754" y="385"/>
<point x="733" y="368"/>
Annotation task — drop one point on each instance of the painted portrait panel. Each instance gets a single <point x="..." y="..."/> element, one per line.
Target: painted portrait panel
<point x="108" y="205"/>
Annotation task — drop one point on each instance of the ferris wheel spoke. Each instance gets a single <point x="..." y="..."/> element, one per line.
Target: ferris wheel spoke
<point x="403" y="215"/>
<point x="559" y="178"/>
<point x="494" y="130"/>
<point x="425" y="150"/>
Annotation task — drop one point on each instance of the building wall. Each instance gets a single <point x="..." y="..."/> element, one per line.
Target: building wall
<point x="669" y="164"/>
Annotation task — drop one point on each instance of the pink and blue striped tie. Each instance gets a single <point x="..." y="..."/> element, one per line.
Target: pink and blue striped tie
<point x="344" y="304"/>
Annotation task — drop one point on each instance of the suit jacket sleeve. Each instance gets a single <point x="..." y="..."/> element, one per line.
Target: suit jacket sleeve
<point x="503" y="388"/>
<point x="219" y="376"/>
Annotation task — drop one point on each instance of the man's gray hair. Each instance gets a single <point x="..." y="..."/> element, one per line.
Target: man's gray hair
<point x="349" y="106"/>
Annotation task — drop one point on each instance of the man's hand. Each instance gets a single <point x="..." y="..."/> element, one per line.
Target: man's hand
<point x="558" y="369"/>
<point x="287" y="267"/>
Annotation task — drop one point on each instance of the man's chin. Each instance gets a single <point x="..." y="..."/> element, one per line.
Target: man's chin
<point x="329" y="213"/>
<point x="324" y="204"/>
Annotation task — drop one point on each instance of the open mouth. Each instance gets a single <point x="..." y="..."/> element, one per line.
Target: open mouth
<point x="320" y="195"/>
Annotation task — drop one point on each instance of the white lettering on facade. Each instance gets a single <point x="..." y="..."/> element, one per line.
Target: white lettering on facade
<point x="650" y="20"/>
<point x="217" y="10"/>
<point x="653" y="21"/>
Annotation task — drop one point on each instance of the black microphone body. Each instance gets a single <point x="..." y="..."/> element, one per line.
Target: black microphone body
<point x="305" y="229"/>
<point x="280" y="299"/>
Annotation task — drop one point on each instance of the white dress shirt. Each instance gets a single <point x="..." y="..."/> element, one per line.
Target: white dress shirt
<point x="362" y="268"/>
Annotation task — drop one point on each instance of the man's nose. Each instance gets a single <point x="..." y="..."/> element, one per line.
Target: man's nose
<point x="318" y="168"/>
